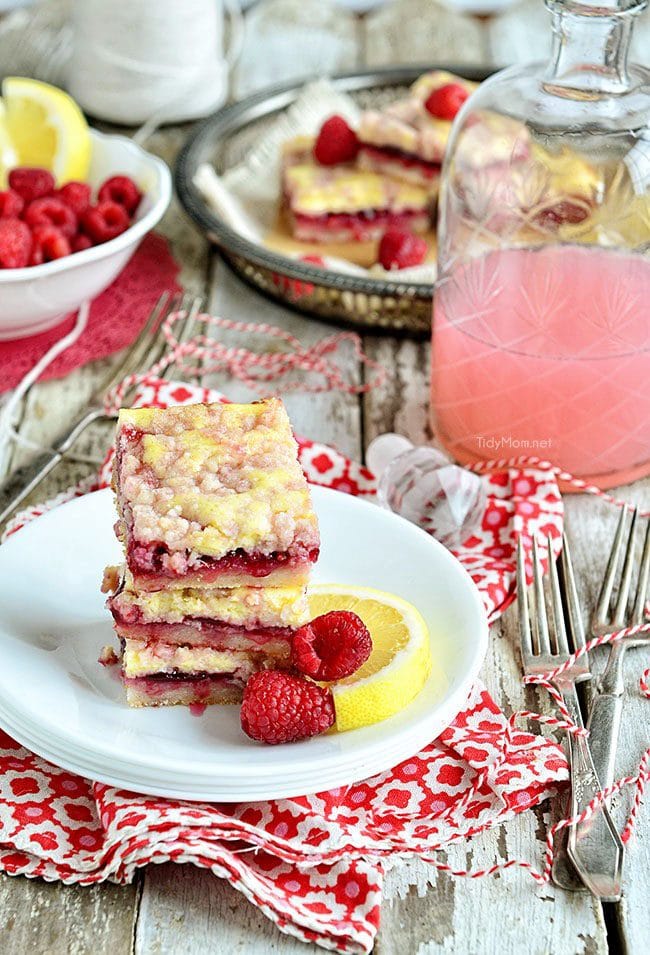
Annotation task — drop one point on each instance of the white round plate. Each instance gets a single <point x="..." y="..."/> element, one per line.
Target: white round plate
<point x="57" y="700"/>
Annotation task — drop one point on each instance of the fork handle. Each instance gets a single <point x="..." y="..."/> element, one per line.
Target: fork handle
<point x="564" y="873"/>
<point x="605" y="716"/>
<point x="594" y="845"/>
<point x="26" y="479"/>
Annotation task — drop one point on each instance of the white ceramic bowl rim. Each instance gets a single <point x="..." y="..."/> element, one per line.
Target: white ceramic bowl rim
<point x="134" y="233"/>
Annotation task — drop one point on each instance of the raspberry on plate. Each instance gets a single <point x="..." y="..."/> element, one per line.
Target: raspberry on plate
<point x="105" y="221"/>
<point x="31" y="183"/>
<point x="445" y="101"/>
<point x="281" y="708"/>
<point x="332" y="646"/>
<point x="336" y="142"/>
<point x="123" y="190"/>
<point x="15" y="244"/>
<point x="11" y="204"/>
<point x="76" y="195"/>
<point x="400" y="249"/>
<point x="49" y="243"/>
<point x="51" y="210"/>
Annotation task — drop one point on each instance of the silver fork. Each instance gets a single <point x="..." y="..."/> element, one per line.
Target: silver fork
<point x="607" y="705"/>
<point x="594" y="846"/>
<point x="145" y="351"/>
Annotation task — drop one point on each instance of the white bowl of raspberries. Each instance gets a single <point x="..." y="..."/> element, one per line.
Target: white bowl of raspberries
<point x="62" y="245"/>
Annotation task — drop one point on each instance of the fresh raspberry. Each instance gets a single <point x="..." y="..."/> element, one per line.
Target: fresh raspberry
<point x="79" y="242"/>
<point x="332" y="646"/>
<point x="336" y="142"/>
<point x="105" y="221"/>
<point x="49" y="243"/>
<point x="400" y="249"/>
<point x="279" y="707"/>
<point x="15" y="244"/>
<point x="31" y="183"/>
<point x="76" y="196"/>
<point x="51" y="211"/>
<point x="123" y="190"/>
<point x="446" y="101"/>
<point x="11" y="204"/>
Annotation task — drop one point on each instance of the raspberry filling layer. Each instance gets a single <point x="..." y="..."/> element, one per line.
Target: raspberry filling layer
<point x="197" y="687"/>
<point x="409" y="160"/>
<point x="359" y="226"/>
<point x="176" y="676"/>
<point x="337" y="220"/>
<point x="154" y="560"/>
<point x="204" y="632"/>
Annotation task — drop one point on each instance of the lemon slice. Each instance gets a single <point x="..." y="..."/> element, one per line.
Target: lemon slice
<point x="400" y="662"/>
<point x="46" y="128"/>
<point x="8" y="157"/>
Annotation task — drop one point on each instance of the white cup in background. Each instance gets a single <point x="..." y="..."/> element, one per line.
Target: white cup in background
<point x="134" y="60"/>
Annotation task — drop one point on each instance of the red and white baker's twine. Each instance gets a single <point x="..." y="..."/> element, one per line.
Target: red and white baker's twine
<point x="201" y="355"/>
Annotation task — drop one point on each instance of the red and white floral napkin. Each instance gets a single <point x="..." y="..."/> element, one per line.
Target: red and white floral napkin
<point x="313" y="864"/>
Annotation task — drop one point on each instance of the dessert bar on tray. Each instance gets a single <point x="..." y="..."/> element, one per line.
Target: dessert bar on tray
<point x="342" y="203"/>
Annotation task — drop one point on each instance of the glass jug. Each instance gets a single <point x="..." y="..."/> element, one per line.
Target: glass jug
<point x="541" y="321"/>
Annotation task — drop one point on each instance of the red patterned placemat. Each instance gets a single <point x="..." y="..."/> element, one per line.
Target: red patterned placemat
<point x="312" y="864"/>
<point x="116" y="317"/>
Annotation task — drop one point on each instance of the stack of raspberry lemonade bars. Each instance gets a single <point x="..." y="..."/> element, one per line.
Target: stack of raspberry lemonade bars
<point x="219" y="535"/>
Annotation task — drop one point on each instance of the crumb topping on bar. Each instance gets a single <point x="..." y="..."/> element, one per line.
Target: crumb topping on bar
<point x="239" y="606"/>
<point x="313" y="190"/>
<point x="407" y="125"/>
<point x="210" y="479"/>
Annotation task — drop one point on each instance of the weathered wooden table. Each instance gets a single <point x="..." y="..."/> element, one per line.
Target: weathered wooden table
<point x="178" y="909"/>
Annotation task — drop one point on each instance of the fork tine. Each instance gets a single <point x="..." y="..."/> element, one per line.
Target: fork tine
<point x="543" y="639"/>
<point x="121" y="370"/>
<point x="187" y="328"/>
<point x="180" y="304"/>
<point x="642" y="587"/>
<point x="156" y="346"/>
<point x="572" y="603"/>
<point x="626" y="577"/>
<point x="601" y="613"/>
<point x="522" y="594"/>
<point x="556" y="602"/>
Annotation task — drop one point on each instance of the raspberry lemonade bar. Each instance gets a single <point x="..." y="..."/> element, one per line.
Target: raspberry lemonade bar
<point x="408" y="138"/>
<point x="213" y="495"/>
<point x="340" y="203"/>
<point x="219" y="536"/>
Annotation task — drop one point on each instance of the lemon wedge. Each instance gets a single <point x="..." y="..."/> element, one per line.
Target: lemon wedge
<point x="400" y="662"/>
<point x="44" y="127"/>
<point x="8" y="158"/>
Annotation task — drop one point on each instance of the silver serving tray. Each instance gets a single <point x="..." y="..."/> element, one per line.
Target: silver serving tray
<point x="372" y="304"/>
